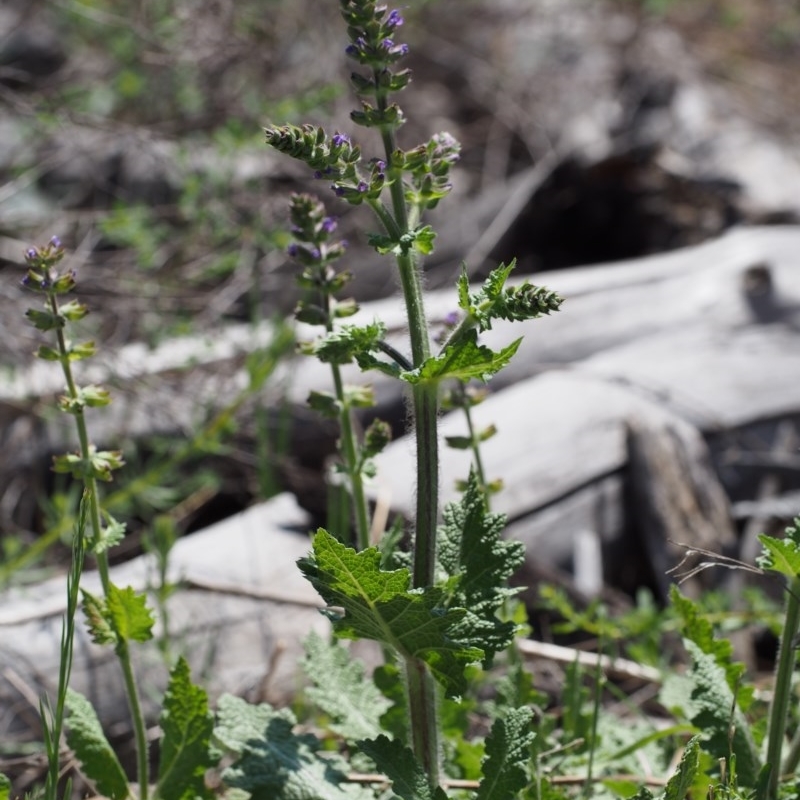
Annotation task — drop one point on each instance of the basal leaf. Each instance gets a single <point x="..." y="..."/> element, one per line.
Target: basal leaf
<point x="187" y="724"/>
<point x="87" y="740"/>
<point x="505" y="770"/>
<point x="129" y="615"/>
<point x="462" y="360"/>
<point x="472" y="550"/>
<point x="342" y="690"/>
<point x="700" y="631"/>
<point x="681" y="782"/>
<point x="273" y="762"/>
<point x="380" y="605"/>
<point x="712" y="709"/>
<point x="398" y="763"/>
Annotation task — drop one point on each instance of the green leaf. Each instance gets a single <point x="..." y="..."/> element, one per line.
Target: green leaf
<point x="78" y="352"/>
<point x="48" y="354"/>
<point x="495" y="301"/>
<point x="398" y="763"/>
<point x="459" y="442"/>
<point x="472" y="550"/>
<point x="508" y="745"/>
<point x="682" y="781"/>
<point x="463" y="360"/>
<point x="273" y="762"/>
<point x="701" y="632"/>
<point x="187" y="725"/>
<point x="111" y="535"/>
<point x="5" y="787"/>
<point x="782" y="555"/>
<point x="44" y="320"/>
<point x="370" y="603"/>
<point x="344" y="344"/>
<point x="711" y="707"/>
<point x="91" y="748"/>
<point x="324" y="403"/>
<point x="129" y="615"/>
<point x="97" y="618"/>
<point x="342" y="691"/>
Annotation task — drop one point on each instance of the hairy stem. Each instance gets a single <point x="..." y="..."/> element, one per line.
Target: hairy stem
<point x="783" y="686"/>
<point x="422" y="692"/>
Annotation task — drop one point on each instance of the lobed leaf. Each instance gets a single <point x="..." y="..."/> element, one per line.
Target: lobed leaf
<point x="273" y="762"/>
<point x="398" y="763"/>
<point x="682" y="781"/>
<point x="472" y="550"/>
<point x="342" y="691"/>
<point x="378" y="604"/>
<point x="187" y="724"/>
<point x="462" y="360"/>
<point x="505" y="769"/>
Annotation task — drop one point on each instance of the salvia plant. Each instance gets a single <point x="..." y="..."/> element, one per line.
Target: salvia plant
<point x="451" y="711"/>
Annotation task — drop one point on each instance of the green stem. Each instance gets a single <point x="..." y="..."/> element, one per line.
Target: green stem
<point x="101" y="557"/>
<point x="476" y="447"/>
<point x="783" y="686"/>
<point x="349" y="451"/>
<point x="422" y="695"/>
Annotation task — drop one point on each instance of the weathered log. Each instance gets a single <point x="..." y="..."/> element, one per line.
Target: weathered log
<point x="240" y="617"/>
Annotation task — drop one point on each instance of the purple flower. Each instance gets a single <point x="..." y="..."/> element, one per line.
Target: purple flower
<point x="394" y="20"/>
<point x="387" y="44"/>
<point x="292" y="250"/>
<point x="30" y="254"/>
<point x="329" y="224"/>
<point x="55" y="242"/>
<point x="339" y="139"/>
<point x="451" y="319"/>
<point x="362" y="186"/>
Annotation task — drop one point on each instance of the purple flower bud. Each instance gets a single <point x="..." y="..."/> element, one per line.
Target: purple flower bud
<point x="329" y="224"/>
<point x="291" y="250"/>
<point x="362" y="186"/>
<point x="315" y="252"/>
<point x="339" y="139"/>
<point x="55" y="242"/>
<point x="317" y="174"/>
<point x="451" y="319"/>
<point x="394" y="20"/>
<point x="339" y="191"/>
<point x="379" y="165"/>
<point x="26" y="281"/>
<point x="351" y="50"/>
<point x="30" y="254"/>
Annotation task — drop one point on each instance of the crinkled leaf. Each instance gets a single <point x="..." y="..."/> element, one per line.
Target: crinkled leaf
<point x="711" y="708"/>
<point x="472" y="549"/>
<point x="129" y="615"/>
<point x="112" y="534"/>
<point x="98" y="760"/>
<point x="505" y="769"/>
<point x="343" y="345"/>
<point x="681" y="782"/>
<point x="342" y="691"/>
<point x="463" y="360"/>
<point x="700" y="631"/>
<point x="398" y="763"/>
<point x="496" y="301"/>
<point x="370" y="603"/>
<point x="273" y="762"/>
<point x="187" y="725"/>
<point x="97" y="618"/>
